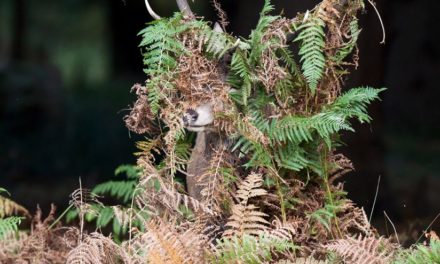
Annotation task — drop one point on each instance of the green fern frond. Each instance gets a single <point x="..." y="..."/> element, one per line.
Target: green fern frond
<point x="251" y="249"/>
<point x="312" y="38"/>
<point x="155" y="94"/>
<point x="243" y="74"/>
<point x="420" y="254"/>
<point x="348" y="47"/>
<point x="9" y="226"/>
<point x="257" y="47"/>
<point x="161" y="45"/>
<point x="218" y="43"/>
<point x="119" y="189"/>
<point x="132" y="172"/>
<point x="354" y="102"/>
<point x="292" y="158"/>
<point x="324" y="216"/>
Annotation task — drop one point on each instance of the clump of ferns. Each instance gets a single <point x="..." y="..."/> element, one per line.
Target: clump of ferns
<point x="428" y="252"/>
<point x="249" y="237"/>
<point x="135" y="196"/>
<point x="284" y="113"/>
<point x="11" y="215"/>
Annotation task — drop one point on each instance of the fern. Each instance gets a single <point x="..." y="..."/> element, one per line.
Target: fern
<point x="96" y="248"/>
<point x="9" y="208"/>
<point x="242" y="75"/>
<point x="311" y="50"/>
<point x="362" y="250"/>
<point x="352" y="104"/>
<point x="256" y="36"/>
<point x="245" y="218"/>
<point x="159" y="39"/>
<point x="9" y="226"/>
<point x="420" y="254"/>
<point x="251" y="249"/>
<point x="123" y="190"/>
<point x="163" y="243"/>
<point x="348" y="47"/>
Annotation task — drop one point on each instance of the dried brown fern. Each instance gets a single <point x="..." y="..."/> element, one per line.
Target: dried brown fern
<point x="42" y="245"/>
<point x="9" y="207"/>
<point x="96" y="249"/>
<point x="308" y="260"/>
<point x="216" y="180"/>
<point x="159" y="195"/>
<point x="164" y="243"/>
<point x="245" y="218"/>
<point x="140" y="119"/>
<point x="363" y="250"/>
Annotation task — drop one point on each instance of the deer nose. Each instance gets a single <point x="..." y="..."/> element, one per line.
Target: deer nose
<point x="189" y="117"/>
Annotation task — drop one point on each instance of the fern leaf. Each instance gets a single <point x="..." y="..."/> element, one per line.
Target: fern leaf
<point x="257" y="47"/>
<point x="245" y="218"/>
<point x="96" y="248"/>
<point x="312" y="51"/>
<point x="348" y="47"/>
<point x="9" y="226"/>
<point x="362" y="250"/>
<point x="9" y="208"/>
<point x="132" y="172"/>
<point x="354" y="102"/>
<point x="251" y="249"/>
<point x="118" y="189"/>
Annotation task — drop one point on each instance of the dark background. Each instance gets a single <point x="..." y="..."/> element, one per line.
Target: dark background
<point x="66" y="68"/>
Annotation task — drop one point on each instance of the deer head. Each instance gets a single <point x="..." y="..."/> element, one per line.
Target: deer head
<point x="198" y="118"/>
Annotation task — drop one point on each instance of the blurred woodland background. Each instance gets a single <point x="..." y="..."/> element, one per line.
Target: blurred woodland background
<point x="67" y="66"/>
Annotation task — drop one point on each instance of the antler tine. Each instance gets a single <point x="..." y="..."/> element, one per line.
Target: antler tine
<point x="151" y="11"/>
<point x="184" y="8"/>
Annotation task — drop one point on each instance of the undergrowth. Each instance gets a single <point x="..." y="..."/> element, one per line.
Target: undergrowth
<point x="269" y="189"/>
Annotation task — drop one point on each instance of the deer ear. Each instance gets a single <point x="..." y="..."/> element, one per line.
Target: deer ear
<point x="218" y="28"/>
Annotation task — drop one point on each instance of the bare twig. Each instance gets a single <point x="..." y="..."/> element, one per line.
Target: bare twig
<point x="429" y="226"/>
<point x="395" y="231"/>
<point x="375" y="199"/>
<point x="220" y="13"/>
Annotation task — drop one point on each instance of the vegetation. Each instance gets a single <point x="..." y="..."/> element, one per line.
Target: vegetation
<point x="269" y="190"/>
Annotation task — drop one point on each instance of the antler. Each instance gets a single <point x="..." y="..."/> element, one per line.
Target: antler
<point x="182" y="4"/>
<point x="151" y="11"/>
<point x="184" y="8"/>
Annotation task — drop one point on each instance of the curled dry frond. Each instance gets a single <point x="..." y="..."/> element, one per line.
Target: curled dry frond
<point x="140" y="119"/>
<point x="9" y="208"/>
<point x="82" y="199"/>
<point x="96" y="249"/>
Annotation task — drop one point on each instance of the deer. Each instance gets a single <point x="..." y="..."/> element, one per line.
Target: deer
<point x="198" y="119"/>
